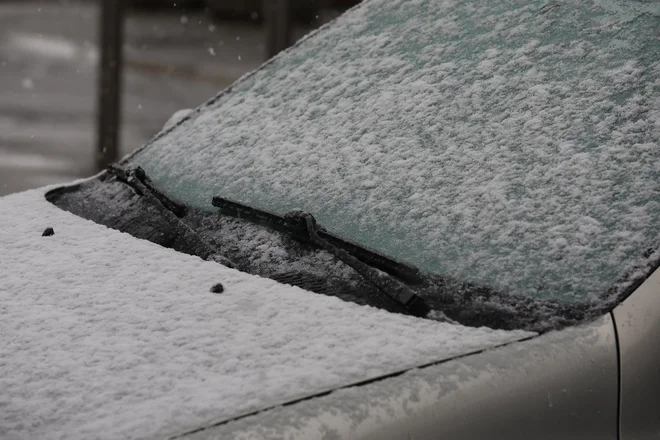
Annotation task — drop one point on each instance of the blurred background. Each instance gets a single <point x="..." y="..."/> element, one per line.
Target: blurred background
<point x="84" y="82"/>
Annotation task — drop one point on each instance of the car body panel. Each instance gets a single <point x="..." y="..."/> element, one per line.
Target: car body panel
<point x="108" y="336"/>
<point x="638" y="325"/>
<point x="561" y="385"/>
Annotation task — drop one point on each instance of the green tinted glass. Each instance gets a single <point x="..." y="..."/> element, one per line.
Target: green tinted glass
<point x="513" y="144"/>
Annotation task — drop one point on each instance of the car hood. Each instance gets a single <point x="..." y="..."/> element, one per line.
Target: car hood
<point x="108" y="336"/>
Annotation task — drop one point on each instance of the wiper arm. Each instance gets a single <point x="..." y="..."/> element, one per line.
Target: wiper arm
<point x="385" y="283"/>
<point x="302" y="225"/>
<point x="297" y="223"/>
<point x="137" y="178"/>
<point x="172" y="211"/>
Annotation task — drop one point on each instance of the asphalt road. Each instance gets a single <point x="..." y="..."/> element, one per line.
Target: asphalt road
<point x="48" y="57"/>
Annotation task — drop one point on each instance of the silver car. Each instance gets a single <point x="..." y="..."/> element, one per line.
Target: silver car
<point x="479" y="167"/>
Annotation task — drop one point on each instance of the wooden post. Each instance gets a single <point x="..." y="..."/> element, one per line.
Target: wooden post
<point x="278" y="25"/>
<point x="111" y="27"/>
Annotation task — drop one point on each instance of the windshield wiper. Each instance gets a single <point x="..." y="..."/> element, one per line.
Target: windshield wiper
<point x="172" y="211"/>
<point x="402" y="270"/>
<point x="302" y="225"/>
<point x="383" y="272"/>
<point x="163" y="220"/>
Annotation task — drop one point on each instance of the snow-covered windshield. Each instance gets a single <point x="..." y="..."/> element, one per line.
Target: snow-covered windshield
<point x="512" y="144"/>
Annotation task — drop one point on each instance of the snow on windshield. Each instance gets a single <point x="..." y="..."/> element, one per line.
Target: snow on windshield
<point x="513" y="144"/>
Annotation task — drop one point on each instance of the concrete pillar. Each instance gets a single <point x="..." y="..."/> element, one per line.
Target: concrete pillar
<point x="278" y="25"/>
<point x="111" y="38"/>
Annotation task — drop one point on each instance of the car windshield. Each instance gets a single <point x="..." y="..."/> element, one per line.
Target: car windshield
<point x="510" y="144"/>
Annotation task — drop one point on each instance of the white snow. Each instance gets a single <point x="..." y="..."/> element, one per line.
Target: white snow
<point x="29" y="161"/>
<point x="27" y="83"/>
<point x="459" y="399"/>
<point x="46" y="46"/>
<point x="107" y="336"/>
<point x="177" y="117"/>
<point x="494" y="141"/>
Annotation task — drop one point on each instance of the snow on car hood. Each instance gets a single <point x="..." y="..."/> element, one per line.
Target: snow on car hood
<point x="107" y="336"/>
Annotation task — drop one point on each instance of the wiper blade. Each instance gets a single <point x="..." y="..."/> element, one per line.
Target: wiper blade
<point x="402" y="270"/>
<point x="302" y="225"/>
<point x="171" y="210"/>
<point x="297" y="223"/>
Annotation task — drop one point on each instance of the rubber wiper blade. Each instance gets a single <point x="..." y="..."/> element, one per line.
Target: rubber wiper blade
<point x="400" y="269"/>
<point x="303" y="226"/>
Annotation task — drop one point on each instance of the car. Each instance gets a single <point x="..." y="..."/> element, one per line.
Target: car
<point x="428" y="219"/>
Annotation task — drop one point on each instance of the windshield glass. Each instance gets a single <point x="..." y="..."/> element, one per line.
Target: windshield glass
<point x="510" y="144"/>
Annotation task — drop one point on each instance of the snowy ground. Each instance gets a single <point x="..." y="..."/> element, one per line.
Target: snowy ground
<point x="48" y="56"/>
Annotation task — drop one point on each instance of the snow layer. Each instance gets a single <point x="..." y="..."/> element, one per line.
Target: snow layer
<point x="177" y="117"/>
<point x="513" y="144"/>
<point x="107" y="336"/>
<point x="468" y="398"/>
